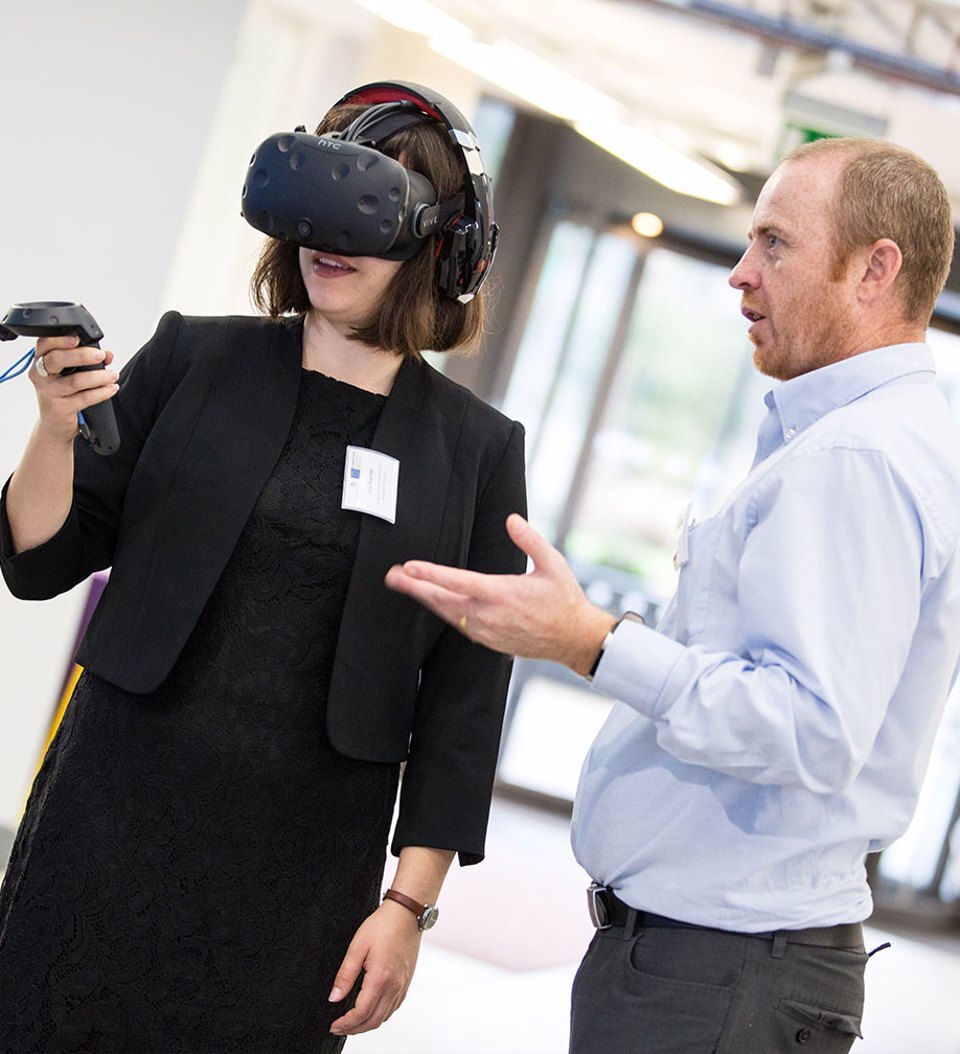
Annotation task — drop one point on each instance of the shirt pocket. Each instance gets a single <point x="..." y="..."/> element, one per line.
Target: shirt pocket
<point x="694" y="587"/>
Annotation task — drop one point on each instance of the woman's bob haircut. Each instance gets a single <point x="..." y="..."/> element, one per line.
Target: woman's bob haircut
<point x="413" y="316"/>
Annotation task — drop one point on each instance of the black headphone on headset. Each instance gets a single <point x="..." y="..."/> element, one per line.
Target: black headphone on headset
<point x="337" y="192"/>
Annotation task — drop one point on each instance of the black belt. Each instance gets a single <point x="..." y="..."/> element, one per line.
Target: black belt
<point x="608" y="911"/>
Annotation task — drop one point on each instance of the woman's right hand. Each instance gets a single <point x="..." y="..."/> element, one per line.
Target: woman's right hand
<point x="61" y="398"/>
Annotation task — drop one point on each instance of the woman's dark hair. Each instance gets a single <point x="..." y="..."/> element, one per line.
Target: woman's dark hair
<point x="413" y="315"/>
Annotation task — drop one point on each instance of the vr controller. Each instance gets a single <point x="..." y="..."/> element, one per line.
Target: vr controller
<point x="60" y="318"/>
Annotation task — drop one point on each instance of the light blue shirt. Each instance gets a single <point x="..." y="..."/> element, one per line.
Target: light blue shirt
<point x="776" y="726"/>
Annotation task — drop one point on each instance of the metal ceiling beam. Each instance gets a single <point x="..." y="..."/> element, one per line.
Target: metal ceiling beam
<point x="787" y="33"/>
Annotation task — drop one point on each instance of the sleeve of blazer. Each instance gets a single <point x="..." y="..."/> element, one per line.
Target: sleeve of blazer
<point x="448" y="779"/>
<point x="86" y="540"/>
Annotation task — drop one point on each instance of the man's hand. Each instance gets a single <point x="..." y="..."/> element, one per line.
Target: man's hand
<point x="385" y="947"/>
<point x="540" y="615"/>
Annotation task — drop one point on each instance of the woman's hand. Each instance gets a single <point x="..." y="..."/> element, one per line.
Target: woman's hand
<point x="385" y="948"/>
<point x="41" y="490"/>
<point x="61" y="398"/>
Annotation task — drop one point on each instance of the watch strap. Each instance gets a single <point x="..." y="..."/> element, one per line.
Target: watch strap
<point x="627" y="616"/>
<point x="408" y="902"/>
<point x="426" y="913"/>
<point x="603" y="648"/>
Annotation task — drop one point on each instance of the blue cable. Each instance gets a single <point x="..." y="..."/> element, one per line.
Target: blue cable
<point x="23" y="364"/>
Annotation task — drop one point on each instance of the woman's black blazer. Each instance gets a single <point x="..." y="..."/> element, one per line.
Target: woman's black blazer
<point x="204" y="410"/>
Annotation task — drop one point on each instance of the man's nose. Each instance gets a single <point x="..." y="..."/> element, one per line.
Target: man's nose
<point x="744" y="275"/>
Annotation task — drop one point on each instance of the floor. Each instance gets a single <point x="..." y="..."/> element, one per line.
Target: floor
<point x="494" y="975"/>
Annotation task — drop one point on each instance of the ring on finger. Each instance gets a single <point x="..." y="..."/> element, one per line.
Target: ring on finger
<point x="41" y="368"/>
<point x="463" y="623"/>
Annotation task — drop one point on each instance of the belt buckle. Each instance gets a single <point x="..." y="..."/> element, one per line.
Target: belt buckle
<point x="597" y="906"/>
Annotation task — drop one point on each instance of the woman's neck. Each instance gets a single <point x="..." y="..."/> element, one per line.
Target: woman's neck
<point x="328" y="350"/>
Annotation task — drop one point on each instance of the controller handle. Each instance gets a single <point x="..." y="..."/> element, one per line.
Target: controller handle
<point x="61" y="318"/>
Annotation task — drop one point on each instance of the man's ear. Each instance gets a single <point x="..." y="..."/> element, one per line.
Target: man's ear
<point x="881" y="263"/>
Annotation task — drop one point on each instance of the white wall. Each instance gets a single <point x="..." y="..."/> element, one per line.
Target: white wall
<point x="105" y="107"/>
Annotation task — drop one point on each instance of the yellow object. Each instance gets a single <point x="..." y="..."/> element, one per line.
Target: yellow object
<point x="58" y="713"/>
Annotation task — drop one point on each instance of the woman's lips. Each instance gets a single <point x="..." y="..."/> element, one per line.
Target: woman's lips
<point x="328" y="266"/>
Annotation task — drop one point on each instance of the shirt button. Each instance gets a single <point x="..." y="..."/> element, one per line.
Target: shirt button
<point x="803" y="1035"/>
<point x="790" y="433"/>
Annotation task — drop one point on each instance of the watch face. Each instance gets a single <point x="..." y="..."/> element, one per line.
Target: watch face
<point x="429" y="916"/>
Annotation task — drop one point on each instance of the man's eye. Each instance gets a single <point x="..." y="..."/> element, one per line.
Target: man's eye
<point x="772" y="241"/>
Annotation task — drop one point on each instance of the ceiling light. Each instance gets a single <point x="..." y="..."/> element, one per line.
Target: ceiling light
<point x="732" y="155"/>
<point x="647" y="224"/>
<point x="520" y="72"/>
<point x="663" y="163"/>
<point x="597" y="116"/>
<point x="415" y="16"/>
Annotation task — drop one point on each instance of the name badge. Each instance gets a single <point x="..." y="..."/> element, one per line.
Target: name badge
<point x="370" y="483"/>
<point x="681" y="544"/>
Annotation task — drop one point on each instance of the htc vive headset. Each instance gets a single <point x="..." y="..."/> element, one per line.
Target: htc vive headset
<point x="337" y="193"/>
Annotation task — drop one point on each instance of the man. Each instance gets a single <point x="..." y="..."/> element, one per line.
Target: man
<point x="775" y="728"/>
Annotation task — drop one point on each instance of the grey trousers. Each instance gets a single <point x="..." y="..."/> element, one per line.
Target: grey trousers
<point x="701" y="991"/>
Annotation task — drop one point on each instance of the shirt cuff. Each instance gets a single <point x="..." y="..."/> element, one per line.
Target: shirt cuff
<point x="636" y="665"/>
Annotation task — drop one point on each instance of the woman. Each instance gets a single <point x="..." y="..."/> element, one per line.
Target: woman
<point x="200" y="863"/>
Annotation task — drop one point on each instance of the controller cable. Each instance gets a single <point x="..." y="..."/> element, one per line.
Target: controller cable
<point x="20" y="366"/>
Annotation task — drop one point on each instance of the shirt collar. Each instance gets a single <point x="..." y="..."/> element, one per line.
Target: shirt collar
<point x="805" y="399"/>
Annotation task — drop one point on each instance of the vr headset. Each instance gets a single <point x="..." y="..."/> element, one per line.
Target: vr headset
<point x="338" y="193"/>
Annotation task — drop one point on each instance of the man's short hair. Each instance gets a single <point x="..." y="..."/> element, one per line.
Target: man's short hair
<point x="887" y="191"/>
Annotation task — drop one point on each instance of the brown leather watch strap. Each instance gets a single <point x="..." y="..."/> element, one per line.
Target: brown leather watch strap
<point x="426" y="914"/>
<point x="408" y="902"/>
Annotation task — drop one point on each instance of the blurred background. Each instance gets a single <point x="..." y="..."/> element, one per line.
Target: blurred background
<point x="627" y="140"/>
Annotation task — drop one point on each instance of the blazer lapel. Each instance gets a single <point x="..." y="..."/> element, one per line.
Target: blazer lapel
<point x="252" y="420"/>
<point x="420" y="432"/>
<point x="404" y="432"/>
<point x="244" y="424"/>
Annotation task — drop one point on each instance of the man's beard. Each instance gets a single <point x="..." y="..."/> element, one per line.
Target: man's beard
<point x="774" y="366"/>
<point x="829" y="339"/>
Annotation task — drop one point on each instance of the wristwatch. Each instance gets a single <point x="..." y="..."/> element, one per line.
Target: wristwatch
<point x="427" y="914"/>
<point x="627" y="616"/>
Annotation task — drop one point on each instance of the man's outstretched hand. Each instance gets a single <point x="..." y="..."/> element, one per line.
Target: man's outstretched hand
<point x="540" y="615"/>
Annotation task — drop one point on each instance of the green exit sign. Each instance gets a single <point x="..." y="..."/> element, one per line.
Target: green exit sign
<point x="794" y="135"/>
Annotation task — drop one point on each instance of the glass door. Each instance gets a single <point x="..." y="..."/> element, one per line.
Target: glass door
<point x="556" y="382"/>
<point x="678" y="425"/>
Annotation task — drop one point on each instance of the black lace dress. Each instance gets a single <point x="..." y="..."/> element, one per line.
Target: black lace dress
<point x="194" y="862"/>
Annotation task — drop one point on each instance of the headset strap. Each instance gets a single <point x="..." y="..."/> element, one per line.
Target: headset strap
<point x="373" y="129"/>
